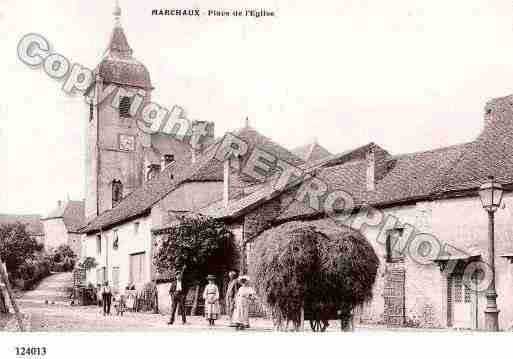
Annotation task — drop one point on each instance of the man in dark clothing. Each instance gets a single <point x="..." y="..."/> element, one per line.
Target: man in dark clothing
<point x="178" y="293"/>
<point x="106" y="298"/>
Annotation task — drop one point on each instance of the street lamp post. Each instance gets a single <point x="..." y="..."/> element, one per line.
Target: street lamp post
<point x="491" y="196"/>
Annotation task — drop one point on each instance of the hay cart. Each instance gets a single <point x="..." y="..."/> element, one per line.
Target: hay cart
<point x="318" y="315"/>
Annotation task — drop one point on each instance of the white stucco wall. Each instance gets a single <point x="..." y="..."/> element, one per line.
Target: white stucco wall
<point x="458" y="224"/>
<point x="129" y="244"/>
<point x="55" y="233"/>
<point x="189" y="195"/>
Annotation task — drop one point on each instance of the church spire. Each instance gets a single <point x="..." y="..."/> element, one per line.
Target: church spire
<point x="117" y="14"/>
<point x="118" y="44"/>
<point x="118" y="64"/>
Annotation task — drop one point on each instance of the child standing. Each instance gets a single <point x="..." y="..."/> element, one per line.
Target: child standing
<point x="211" y="297"/>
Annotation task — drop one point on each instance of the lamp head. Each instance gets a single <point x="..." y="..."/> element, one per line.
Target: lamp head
<point x="490" y="194"/>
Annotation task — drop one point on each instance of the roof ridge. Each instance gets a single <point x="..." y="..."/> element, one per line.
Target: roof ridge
<point x="400" y="155"/>
<point x="273" y="142"/>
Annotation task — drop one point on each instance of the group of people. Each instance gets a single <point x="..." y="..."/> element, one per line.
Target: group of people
<point x="105" y="297"/>
<point x="239" y="296"/>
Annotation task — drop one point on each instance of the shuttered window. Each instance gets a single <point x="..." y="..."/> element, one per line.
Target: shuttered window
<point x="124" y="106"/>
<point x="137" y="270"/>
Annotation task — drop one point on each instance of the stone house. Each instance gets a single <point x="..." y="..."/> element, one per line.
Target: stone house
<point x="421" y="213"/>
<point x="62" y="224"/>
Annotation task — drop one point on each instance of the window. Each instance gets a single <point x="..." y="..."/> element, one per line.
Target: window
<point x="115" y="241"/>
<point x="117" y="192"/>
<point x="137" y="271"/>
<point x="99" y="244"/>
<point x="126" y="142"/>
<point x="393" y="253"/>
<point x="91" y="112"/>
<point x="136" y="228"/>
<point x="124" y="106"/>
<point x="101" y="275"/>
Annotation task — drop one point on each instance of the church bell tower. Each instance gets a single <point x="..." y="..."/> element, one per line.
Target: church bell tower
<point x="114" y="145"/>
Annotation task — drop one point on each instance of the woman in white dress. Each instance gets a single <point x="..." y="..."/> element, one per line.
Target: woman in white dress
<point x="245" y="296"/>
<point x="130" y="297"/>
<point x="211" y="297"/>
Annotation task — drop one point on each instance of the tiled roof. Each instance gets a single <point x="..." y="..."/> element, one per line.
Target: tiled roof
<point x="207" y="168"/>
<point x="254" y="139"/>
<point x="311" y="152"/>
<point x="143" y="198"/>
<point x="414" y="175"/>
<point x="353" y="154"/>
<point x="348" y="177"/>
<point x="490" y="154"/>
<point x="260" y="193"/>
<point x="32" y="221"/>
<point x="72" y="214"/>
<point x="344" y="169"/>
<point x="406" y="177"/>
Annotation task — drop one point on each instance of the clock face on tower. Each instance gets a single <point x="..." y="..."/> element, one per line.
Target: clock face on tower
<point x="126" y="142"/>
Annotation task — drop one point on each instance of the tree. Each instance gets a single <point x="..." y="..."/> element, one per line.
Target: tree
<point x="316" y="266"/>
<point x="197" y="246"/>
<point x="17" y="246"/>
<point x="63" y="258"/>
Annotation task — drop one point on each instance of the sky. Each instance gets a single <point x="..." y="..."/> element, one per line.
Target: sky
<point x="408" y="75"/>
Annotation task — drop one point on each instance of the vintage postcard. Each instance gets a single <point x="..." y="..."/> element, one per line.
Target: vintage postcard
<point x="243" y="168"/>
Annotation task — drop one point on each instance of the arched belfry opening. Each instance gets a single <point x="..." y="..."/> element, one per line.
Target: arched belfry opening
<point x="117" y="192"/>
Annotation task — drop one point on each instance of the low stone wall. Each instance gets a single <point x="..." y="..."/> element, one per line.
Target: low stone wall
<point x="163" y="298"/>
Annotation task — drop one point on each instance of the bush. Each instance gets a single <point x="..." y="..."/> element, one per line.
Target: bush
<point x="197" y="246"/>
<point x="63" y="258"/>
<point x="317" y="265"/>
<point x="17" y="247"/>
<point x="32" y="271"/>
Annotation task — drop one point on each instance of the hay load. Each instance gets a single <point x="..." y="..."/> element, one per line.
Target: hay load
<point x="317" y="265"/>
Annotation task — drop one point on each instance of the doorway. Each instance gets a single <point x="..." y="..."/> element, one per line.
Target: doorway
<point x="461" y="303"/>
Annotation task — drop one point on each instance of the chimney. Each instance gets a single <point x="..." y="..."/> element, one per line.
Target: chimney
<point x="226" y="182"/>
<point x="230" y="165"/>
<point x="371" y="169"/>
<point x="166" y="160"/>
